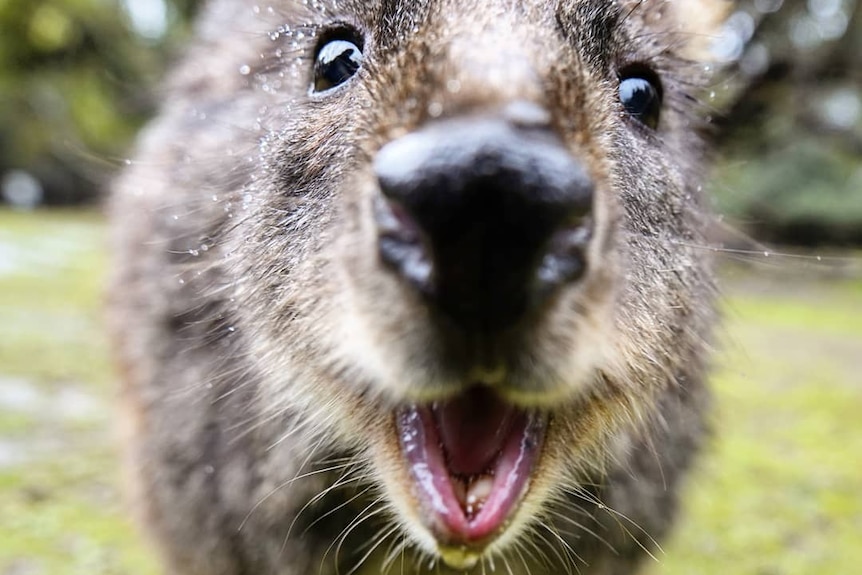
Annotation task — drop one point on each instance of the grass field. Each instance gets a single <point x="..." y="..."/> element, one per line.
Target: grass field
<point x="778" y="493"/>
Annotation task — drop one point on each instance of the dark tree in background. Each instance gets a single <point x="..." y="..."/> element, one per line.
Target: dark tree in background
<point x="79" y="77"/>
<point x="791" y="133"/>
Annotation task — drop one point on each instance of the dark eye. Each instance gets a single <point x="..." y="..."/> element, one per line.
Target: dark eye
<point x="338" y="58"/>
<point x="640" y="94"/>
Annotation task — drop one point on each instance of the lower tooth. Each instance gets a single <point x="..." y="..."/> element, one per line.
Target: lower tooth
<point x="478" y="492"/>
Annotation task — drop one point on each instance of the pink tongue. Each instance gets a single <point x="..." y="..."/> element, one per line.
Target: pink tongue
<point x="473" y="429"/>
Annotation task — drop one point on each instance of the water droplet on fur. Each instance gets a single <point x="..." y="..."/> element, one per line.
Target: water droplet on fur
<point x="245" y="69"/>
<point x="435" y="109"/>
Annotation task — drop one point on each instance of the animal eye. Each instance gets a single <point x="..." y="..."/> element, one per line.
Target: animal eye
<point x="338" y="58"/>
<point x="640" y="94"/>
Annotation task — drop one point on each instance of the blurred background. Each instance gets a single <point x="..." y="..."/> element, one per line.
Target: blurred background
<point x="780" y="490"/>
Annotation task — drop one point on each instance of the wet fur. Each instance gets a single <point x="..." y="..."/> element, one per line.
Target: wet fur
<point x="263" y="347"/>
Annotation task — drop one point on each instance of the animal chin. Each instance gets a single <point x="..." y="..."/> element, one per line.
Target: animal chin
<point x="471" y="459"/>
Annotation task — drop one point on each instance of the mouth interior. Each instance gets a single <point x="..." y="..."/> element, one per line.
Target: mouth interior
<point x="471" y="458"/>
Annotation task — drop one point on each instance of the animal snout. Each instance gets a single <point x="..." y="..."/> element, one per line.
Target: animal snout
<point x="485" y="216"/>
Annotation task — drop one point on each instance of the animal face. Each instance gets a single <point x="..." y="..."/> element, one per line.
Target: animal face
<point x="476" y="218"/>
<point x="462" y="242"/>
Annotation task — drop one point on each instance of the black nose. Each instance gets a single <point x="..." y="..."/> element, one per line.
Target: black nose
<point x="484" y="217"/>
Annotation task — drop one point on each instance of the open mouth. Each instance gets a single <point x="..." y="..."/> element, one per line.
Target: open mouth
<point x="471" y="457"/>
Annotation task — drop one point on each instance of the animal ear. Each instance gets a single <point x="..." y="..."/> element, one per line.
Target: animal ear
<point x="701" y="21"/>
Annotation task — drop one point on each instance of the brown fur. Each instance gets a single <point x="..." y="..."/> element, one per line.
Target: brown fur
<point x="264" y="346"/>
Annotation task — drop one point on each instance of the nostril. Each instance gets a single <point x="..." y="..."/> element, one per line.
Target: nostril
<point x="564" y="260"/>
<point x="400" y="244"/>
<point x="393" y="221"/>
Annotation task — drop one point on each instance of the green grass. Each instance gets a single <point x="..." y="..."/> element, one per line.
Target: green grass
<point x="779" y="491"/>
<point x="61" y="510"/>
